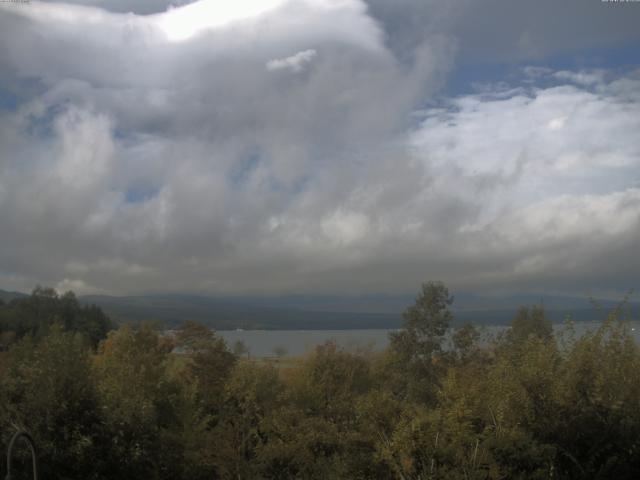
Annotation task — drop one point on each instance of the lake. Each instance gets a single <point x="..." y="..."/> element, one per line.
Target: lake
<point x="263" y="343"/>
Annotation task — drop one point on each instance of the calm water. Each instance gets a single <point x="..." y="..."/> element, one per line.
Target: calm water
<point x="263" y="343"/>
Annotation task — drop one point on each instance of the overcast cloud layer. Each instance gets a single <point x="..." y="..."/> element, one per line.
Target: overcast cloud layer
<point x="303" y="146"/>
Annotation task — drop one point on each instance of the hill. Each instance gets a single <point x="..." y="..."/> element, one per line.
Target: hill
<point x="310" y="312"/>
<point x="225" y="314"/>
<point x="6" y="296"/>
<point x="320" y="312"/>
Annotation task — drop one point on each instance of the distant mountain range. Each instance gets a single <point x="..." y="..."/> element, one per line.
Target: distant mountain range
<point x="226" y="314"/>
<point x="6" y="296"/>
<point x="311" y="312"/>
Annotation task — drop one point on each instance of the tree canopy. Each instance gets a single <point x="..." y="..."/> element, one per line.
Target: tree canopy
<point x="437" y="404"/>
<point x="36" y="314"/>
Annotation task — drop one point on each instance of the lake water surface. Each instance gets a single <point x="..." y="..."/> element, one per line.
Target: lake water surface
<point x="263" y="343"/>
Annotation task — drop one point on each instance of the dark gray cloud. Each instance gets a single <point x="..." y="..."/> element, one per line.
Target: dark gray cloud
<point x="283" y="151"/>
<point x="140" y="7"/>
<point x="499" y="30"/>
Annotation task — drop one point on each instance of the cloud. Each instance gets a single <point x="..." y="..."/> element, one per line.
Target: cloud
<point x="554" y="172"/>
<point x="497" y="31"/>
<point x="295" y="63"/>
<point x="195" y="18"/>
<point x="128" y="147"/>
<point x="142" y="7"/>
<point x="133" y="160"/>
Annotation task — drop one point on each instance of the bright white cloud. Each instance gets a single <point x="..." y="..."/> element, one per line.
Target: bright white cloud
<point x="554" y="172"/>
<point x="184" y="22"/>
<point x="295" y="63"/>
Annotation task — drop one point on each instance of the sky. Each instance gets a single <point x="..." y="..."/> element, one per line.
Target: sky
<point x="320" y="146"/>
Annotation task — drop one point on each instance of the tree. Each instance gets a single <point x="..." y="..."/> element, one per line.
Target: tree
<point x="414" y="349"/>
<point x="208" y="363"/>
<point x="465" y="341"/>
<point x="240" y="349"/>
<point x="329" y="381"/>
<point x="251" y="394"/>
<point x="47" y="389"/>
<point x="35" y="315"/>
<point x="140" y="404"/>
<point x="530" y="322"/>
<point x="426" y="322"/>
<point x="317" y="434"/>
<point x="279" y="351"/>
<point x="597" y="422"/>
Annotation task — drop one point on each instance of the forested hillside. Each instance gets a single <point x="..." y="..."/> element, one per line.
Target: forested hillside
<point x="137" y="404"/>
<point x="33" y="316"/>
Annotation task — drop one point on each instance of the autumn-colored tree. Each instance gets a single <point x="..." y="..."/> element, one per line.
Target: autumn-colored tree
<point x="153" y="406"/>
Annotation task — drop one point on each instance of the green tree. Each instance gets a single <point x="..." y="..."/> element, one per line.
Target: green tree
<point x="208" y="363"/>
<point x="465" y="341"/>
<point x="140" y="405"/>
<point x="240" y="349"/>
<point x="415" y="349"/>
<point x="46" y="388"/>
<point x="329" y="381"/>
<point x="36" y="314"/>
<point x="596" y="425"/>
<point x="529" y="322"/>
<point x="251" y="395"/>
<point x="280" y="351"/>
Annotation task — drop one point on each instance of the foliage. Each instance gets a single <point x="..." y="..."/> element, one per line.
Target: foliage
<point x="35" y="315"/>
<point x="208" y="364"/>
<point x="153" y="406"/>
<point x="138" y="404"/>
<point x="415" y="350"/>
<point x="529" y="322"/>
<point x="47" y="389"/>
